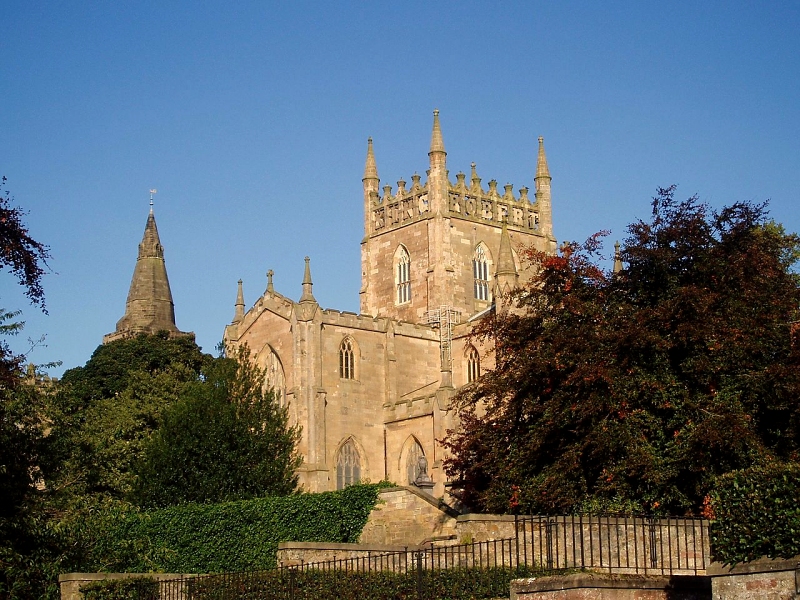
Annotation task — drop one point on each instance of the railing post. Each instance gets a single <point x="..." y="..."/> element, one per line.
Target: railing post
<point x="548" y="534"/>
<point x="651" y="534"/>
<point x="420" y="591"/>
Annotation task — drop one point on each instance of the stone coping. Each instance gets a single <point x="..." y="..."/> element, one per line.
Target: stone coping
<point x="760" y="565"/>
<point x="587" y="580"/>
<point x="340" y="546"/>
<point x="484" y="517"/>
<point x="573" y="519"/>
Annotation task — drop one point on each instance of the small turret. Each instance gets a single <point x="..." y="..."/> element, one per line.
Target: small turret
<point x="238" y="314"/>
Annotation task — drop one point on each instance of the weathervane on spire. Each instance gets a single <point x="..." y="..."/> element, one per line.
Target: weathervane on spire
<point x="153" y="191"/>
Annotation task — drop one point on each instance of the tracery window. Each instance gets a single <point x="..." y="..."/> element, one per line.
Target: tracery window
<point x="473" y="364"/>
<point x="412" y="461"/>
<point x="347" y="365"/>
<point x="402" y="275"/>
<point x="480" y="273"/>
<point x="348" y="465"/>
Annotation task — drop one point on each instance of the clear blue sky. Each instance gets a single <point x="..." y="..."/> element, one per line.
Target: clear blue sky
<point x="251" y="120"/>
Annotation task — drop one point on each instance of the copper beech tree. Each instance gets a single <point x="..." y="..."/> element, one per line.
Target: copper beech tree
<point x="630" y="391"/>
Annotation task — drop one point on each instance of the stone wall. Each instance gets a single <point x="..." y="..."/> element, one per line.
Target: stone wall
<point x="484" y="528"/>
<point x="765" y="579"/>
<point x="70" y="583"/>
<point x="296" y="553"/>
<point x="406" y="516"/>
<point x="597" y="586"/>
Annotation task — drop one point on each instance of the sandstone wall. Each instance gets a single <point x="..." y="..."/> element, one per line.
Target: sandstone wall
<point x="408" y="517"/>
<point x="70" y="583"/>
<point x="765" y="579"/>
<point x="597" y="586"/>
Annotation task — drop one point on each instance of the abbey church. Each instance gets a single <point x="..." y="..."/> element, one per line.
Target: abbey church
<point x="371" y="390"/>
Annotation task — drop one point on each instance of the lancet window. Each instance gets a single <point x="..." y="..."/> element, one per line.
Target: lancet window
<point x="473" y="364"/>
<point x="480" y="273"/>
<point x="403" y="275"/>
<point x="347" y="355"/>
<point x="348" y="465"/>
<point x="412" y="461"/>
<point x="275" y="378"/>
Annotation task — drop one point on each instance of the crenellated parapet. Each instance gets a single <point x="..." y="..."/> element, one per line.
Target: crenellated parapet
<point x="469" y="202"/>
<point x="473" y="203"/>
<point x="406" y="206"/>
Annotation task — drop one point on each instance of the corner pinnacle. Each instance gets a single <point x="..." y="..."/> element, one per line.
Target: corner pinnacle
<point x="307" y="295"/>
<point x="541" y="164"/>
<point x="437" y="143"/>
<point x="370" y="167"/>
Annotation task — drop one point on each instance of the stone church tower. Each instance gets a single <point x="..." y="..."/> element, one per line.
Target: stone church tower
<point x="372" y="391"/>
<point x="149" y="308"/>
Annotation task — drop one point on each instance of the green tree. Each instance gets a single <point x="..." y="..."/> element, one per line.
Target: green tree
<point x="109" y="408"/>
<point x="632" y="391"/>
<point x="25" y="544"/>
<point x="227" y="438"/>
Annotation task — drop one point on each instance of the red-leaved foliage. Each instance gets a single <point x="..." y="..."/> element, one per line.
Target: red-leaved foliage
<point x="632" y="391"/>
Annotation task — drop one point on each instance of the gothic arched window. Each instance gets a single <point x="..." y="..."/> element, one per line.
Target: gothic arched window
<point x="473" y="364"/>
<point x="412" y="461"/>
<point x="274" y="377"/>
<point x="480" y="273"/>
<point x="347" y="359"/>
<point x="348" y="465"/>
<point x="402" y="275"/>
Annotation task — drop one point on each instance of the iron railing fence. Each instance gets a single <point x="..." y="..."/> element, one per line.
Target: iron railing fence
<point x="416" y="569"/>
<point x="645" y="545"/>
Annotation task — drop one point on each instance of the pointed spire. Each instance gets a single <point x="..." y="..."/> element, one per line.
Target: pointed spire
<point x="238" y="315"/>
<point x="541" y="164"/>
<point x="307" y="295"/>
<point x="370" y="167"/>
<point x="437" y="143"/>
<point x="617" y="258"/>
<point x="544" y="202"/>
<point x="505" y="257"/>
<point x="149" y="308"/>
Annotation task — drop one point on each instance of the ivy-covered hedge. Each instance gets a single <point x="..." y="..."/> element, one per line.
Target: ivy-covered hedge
<point x="214" y="538"/>
<point x="756" y="513"/>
